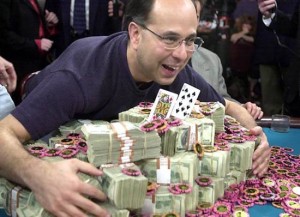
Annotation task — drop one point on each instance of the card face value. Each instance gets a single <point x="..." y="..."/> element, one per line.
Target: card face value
<point x="185" y="101"/>
<point x="163" y="105"/>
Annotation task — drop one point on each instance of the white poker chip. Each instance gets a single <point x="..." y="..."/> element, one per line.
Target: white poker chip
<point x="296" y="190"/>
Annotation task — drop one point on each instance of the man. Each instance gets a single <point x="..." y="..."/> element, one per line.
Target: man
<point x="209" y="66"/>
<point x="96" y="78"/>
<point x="8" y="82"/>
<point x="286" y="25"/>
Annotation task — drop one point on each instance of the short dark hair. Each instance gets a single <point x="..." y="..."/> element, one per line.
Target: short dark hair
<point x="137" y="10"/>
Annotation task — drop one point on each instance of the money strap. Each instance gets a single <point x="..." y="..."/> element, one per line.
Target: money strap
<point x="163" y="170"/>
<point x="15" y="200"/>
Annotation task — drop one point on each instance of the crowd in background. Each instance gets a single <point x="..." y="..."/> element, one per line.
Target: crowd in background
<point x="254" y="58"/>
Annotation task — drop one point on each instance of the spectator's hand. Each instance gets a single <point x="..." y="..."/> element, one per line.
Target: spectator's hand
<point x="264" y="6"/>
<point x="46" y="44"/>
<point x="51" y="18"/>
<point x="261" y="156"/>
<point x="111" y="8"/>
<point x="8" y="77"/>
<point x="254" y="110"/>
<point x="59" y="190"/>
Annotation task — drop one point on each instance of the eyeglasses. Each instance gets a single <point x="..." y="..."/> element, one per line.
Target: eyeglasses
<point x="172" y="42"/>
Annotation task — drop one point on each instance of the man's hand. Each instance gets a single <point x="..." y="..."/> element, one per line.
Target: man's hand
<point x="265" y="6"/>
<point x="51" y="18"/>
<point x="254" y="110"/>
<point x="261" y="156"/>
<point x="8" y="77"/>
<point x="60" y="191"/>
<point x="46" y="44"/>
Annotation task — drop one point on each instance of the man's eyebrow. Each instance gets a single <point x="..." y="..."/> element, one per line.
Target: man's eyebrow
<point x="171" y="33"/>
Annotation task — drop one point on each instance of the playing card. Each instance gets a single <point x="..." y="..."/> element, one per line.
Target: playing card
<point x="163" y="105"/>
<point x="185" y="101"/>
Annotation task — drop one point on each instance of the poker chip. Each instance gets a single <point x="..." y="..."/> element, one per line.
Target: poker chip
<point x="131" y="171"/>
<point x="171" y="214"/>
<point x="277" y="204"/>
<point x="82" y="146"/>
<point x="193" y="213"/>
<point x="74" y="136"/>
<point x="240" y="213"/>
<point x="52" y="152"/>
<point x="210" y="149"/>
<point x="36" y="149"/>
<point x="173" y="189"/>
<point x="268" y="182"/>
<point x="145" y="111"/>
<point x="293" y="204"/>
<point x="203" y="181"/>
<point x="198" y="149"/>
<point x="251" y="191"/>
<point x="205" y="206"/>
<point x="68" y="153"/>
<point x="219" y="142"/>
<point x="145" y="104"/>
<point x="183" y="188"/>
<point x="296" y="190"/>
<point x="268" y="196"/>
<point x="174" y="121"/>
<point x="147" y="127"/>
<point x="286" y="149"/>
<point x="222" y="209"/>
<point x="67" y="141"/>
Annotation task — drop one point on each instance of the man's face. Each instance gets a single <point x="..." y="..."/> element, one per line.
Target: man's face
<point x="169" y="19"/>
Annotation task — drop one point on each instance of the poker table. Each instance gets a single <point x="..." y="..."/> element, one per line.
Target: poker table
<point x="290" y="139"/>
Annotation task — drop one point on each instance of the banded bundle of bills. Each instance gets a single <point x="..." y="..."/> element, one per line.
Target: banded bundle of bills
<point x="181" y="168"/>
<point x="212" y="192"/>
<point x="238" y="176"/>
<point x="214" y="111"/>
<point x="2" y="192"/>
<point x="163" y="202"/>
<point x="136" y="114"/>
<point x="215" y="164"/>
<point x="119" y="142"/>
<point x="125" y="187"/>
<point x="241" y="155"/>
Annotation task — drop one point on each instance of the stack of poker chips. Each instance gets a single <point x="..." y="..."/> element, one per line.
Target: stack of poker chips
<point x="119" y="142"/>
<point x="212" y="110"/>
<point x="182" y="138"/>
<point x="124" y="185"/>
<point x="136" y="114"/>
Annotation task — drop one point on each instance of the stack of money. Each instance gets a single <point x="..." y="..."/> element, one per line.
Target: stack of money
<point x="241" y="155"/>
<point x="136" y="114"/>
<point x="125" y="187"/>
<point x="163" y="202"/>
<point x="237" y="175"/>
<point x="181" y="168"/>
<point x="2" y="192"/>
<point x="212" y="192"/>
<point x="216" y="164"/>
<point x="119" y="142"/>
<point x="214" y="111"/>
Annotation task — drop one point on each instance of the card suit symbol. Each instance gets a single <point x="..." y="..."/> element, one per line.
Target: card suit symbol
<point x="182" y="109"/>
<point x="194" y="93"/>
<point x="189" y="95"/>
<point x="177" y="110"/>
<point x="183" y="97"/>
<point x="186" y="90"/>
<point x="188" y="107"/>
<point x="184" y="114"/>
<point x="191" y="101"/>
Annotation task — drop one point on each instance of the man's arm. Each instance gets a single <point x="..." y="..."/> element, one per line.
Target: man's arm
<point x="262" y="153"/>
<point x="55" y="185"/>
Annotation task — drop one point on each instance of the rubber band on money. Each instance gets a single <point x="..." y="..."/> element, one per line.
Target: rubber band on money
<point x="203" y="181"/>
<point x="145" y="111"/>
<point x="52" y="152"/>
<point x="147" y="127"/>
<point x="68" y="153"/>
<point x="82" y="146"/>
<point x="145" y="104"/>
<point x="198" y="149"/>
<point x="66" y="141"/>
<point x="240" y="213"/>
<point x="183" y="188"/>
<point x="36" y="149"/>
<point x="74" y="136"/>
<point x="171" y="214"/>
<point x="131" y="172"/>
<point x="222" y="209"/>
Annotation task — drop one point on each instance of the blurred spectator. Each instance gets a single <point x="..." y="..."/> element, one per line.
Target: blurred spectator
<point x="25" y="38"/>
<point x="8" y="81"/>
<point x="273" y="61"/>
<point x="241" y="53"/>
<point x="245" y="8"/>
<point x="92" y="15"/>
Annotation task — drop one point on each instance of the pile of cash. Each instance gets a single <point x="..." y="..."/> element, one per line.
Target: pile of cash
<point x="119" y="142"/>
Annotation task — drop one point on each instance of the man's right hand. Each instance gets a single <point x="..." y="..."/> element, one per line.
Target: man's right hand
<point x="59" y="190"/>
<point x="265" y="6"/>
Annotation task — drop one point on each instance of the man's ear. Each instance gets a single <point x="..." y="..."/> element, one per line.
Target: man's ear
<point x="134" y="32"/>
